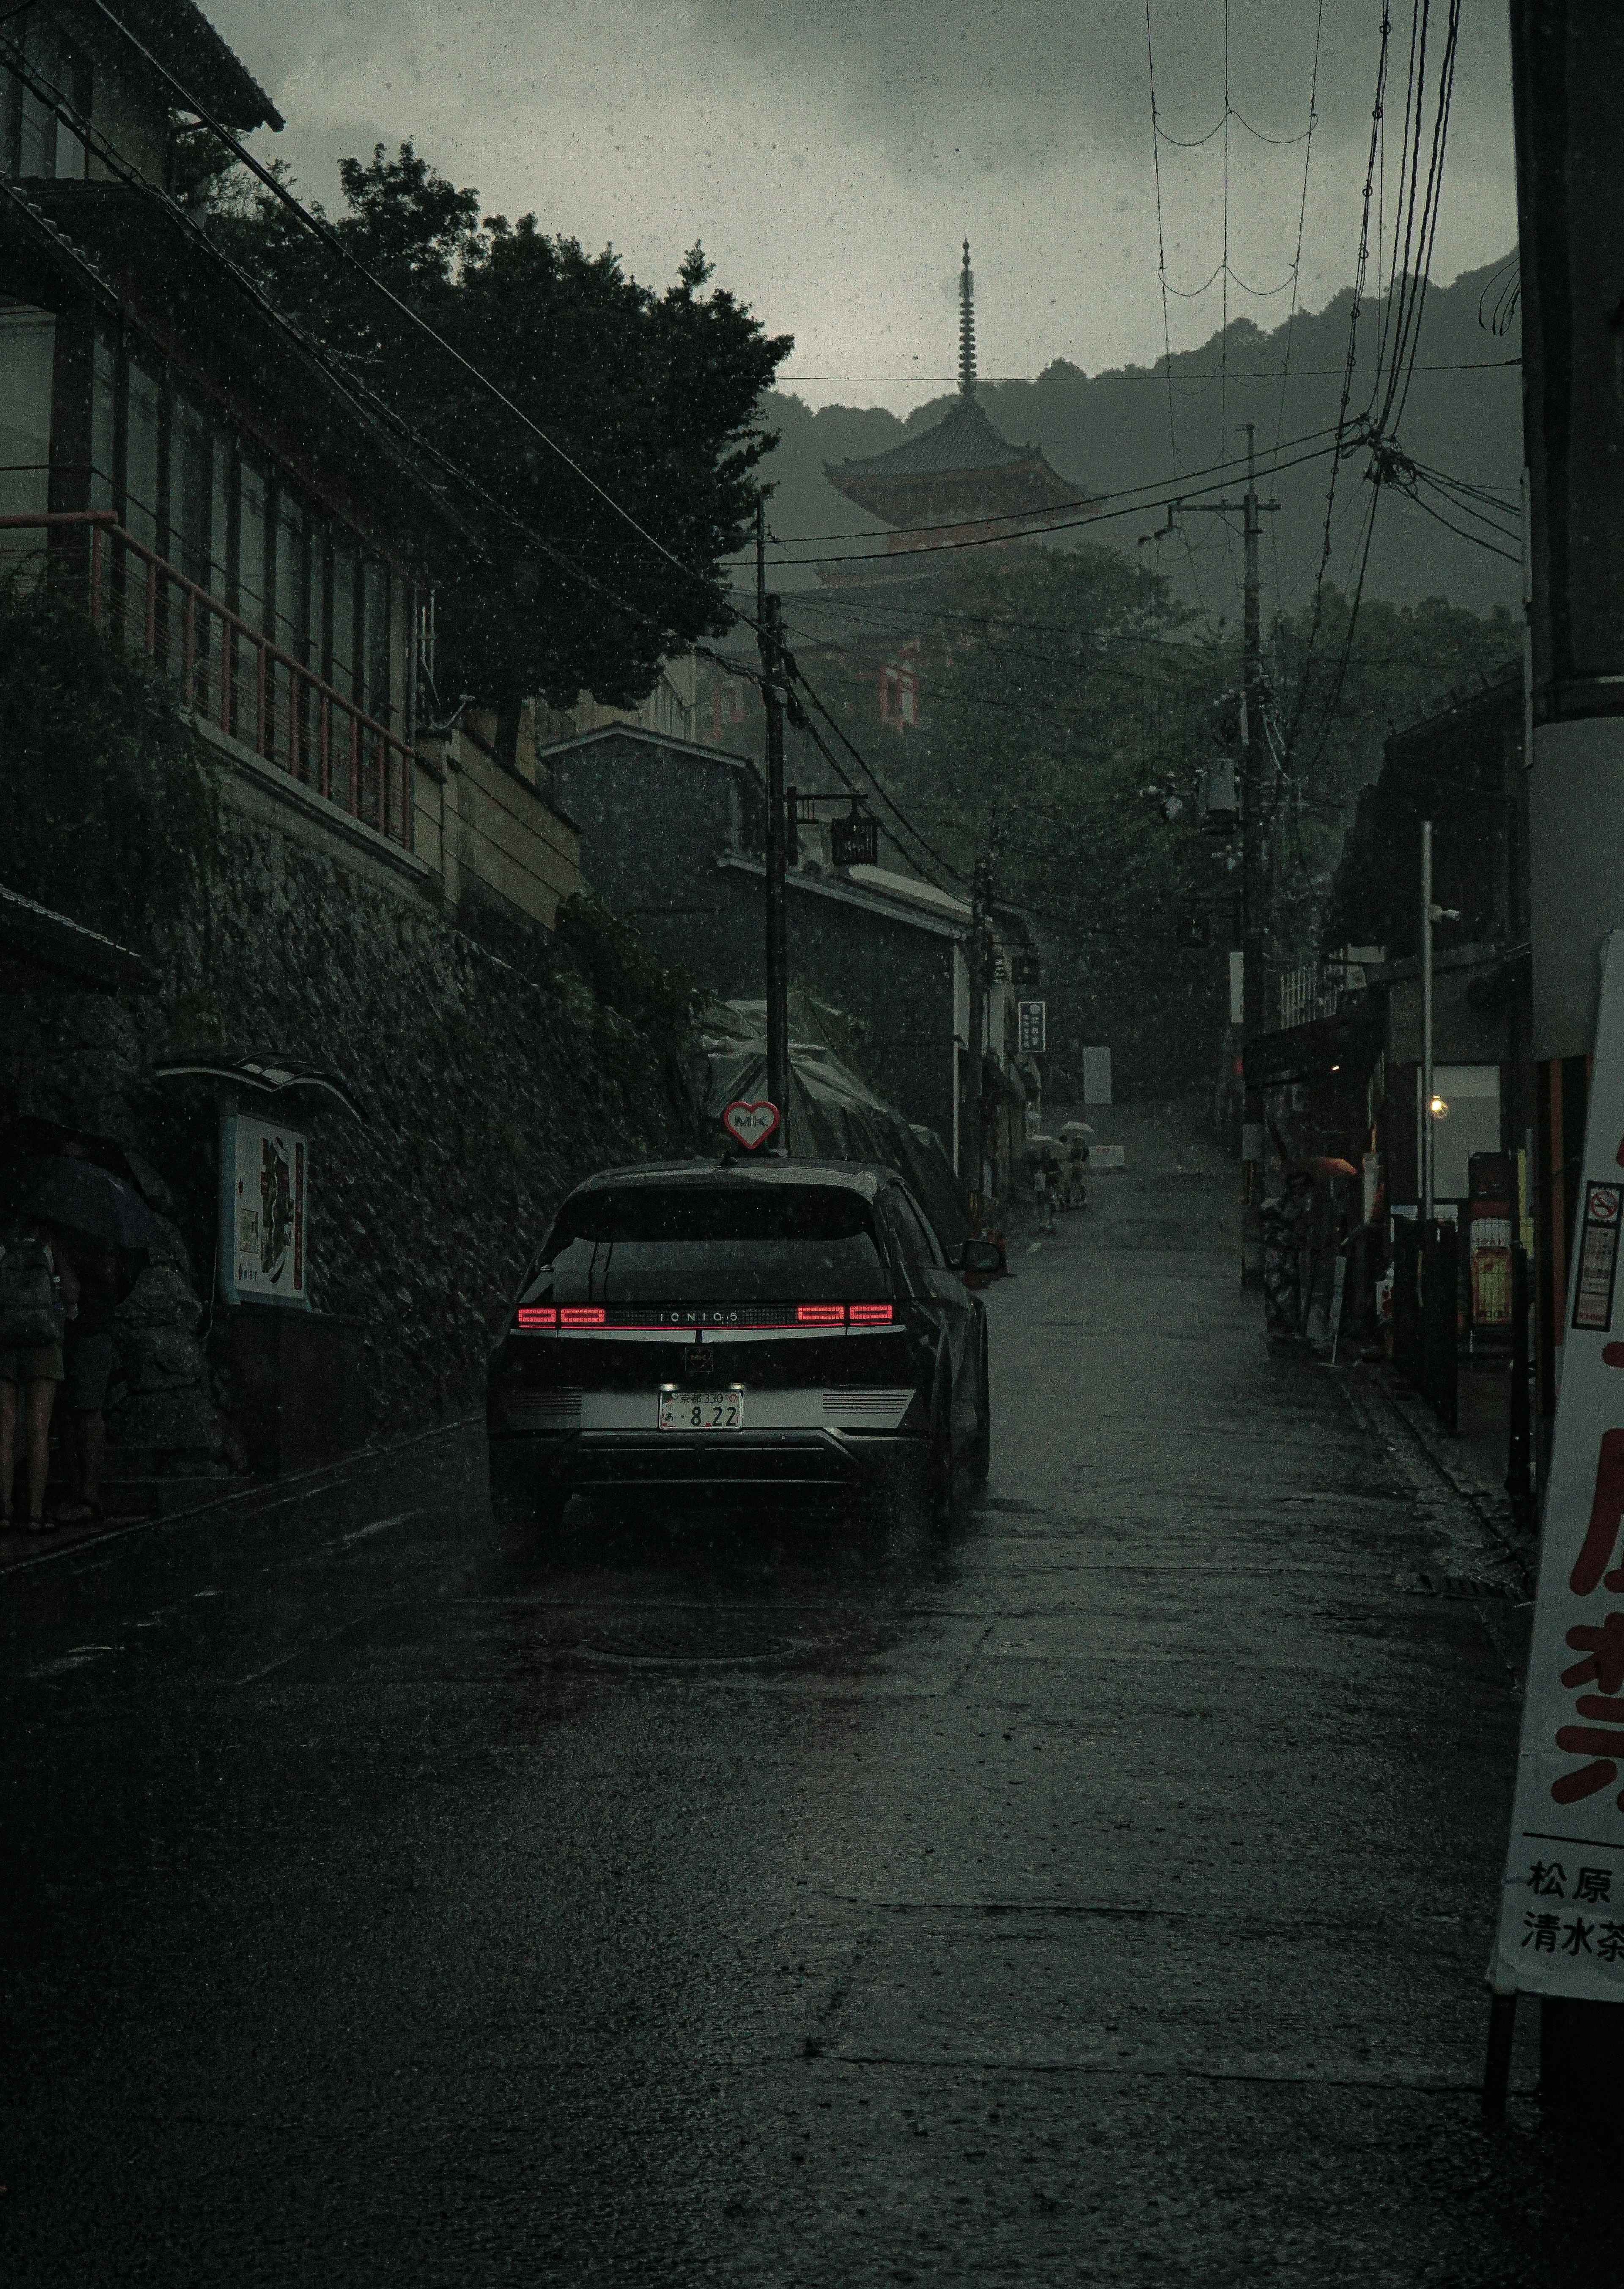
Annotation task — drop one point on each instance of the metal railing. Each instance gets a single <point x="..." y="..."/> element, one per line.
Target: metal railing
<point x="228" y="672"/>
<point x="1301" y="994"/>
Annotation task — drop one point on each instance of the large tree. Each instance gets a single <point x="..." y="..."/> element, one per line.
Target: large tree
<point x="653" y="395"/>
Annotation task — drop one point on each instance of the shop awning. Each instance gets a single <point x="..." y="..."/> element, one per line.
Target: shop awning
<point x="263" y="1076"/>
<point x="1350" y="1042"/>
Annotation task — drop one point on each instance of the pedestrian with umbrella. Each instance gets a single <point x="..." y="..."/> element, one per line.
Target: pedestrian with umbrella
<point x="63" y="1212"/>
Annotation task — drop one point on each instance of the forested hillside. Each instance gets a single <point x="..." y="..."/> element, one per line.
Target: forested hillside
<point x="1109" y="431"/>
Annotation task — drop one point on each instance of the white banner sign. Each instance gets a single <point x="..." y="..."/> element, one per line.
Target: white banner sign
<point x="267" y="1170"/>
<point x="1562" y="1909"/>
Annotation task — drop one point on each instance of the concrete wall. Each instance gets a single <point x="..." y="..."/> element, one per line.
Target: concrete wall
<point x="491" y="834"/>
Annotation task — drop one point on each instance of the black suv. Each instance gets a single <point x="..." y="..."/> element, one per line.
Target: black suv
<point x="764" y="1324"/>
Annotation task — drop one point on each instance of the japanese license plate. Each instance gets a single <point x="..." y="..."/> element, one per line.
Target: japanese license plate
<point x="702" y="1410"/>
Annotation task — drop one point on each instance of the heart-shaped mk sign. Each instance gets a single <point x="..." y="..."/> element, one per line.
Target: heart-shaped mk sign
<point x="750" y="1125"/>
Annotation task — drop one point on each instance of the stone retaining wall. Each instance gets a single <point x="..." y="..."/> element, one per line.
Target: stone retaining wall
<point x="489" y="1087"/>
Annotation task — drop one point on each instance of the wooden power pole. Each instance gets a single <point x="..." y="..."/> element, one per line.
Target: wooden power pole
<point x="771" y="637"/>
<point x="1255" y="781"/>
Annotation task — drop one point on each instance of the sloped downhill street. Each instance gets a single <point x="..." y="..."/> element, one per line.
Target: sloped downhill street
<point x="1102" y="1895"/>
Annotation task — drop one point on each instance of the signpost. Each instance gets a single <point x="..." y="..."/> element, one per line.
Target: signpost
<point x="264" y="1202"/>
<point x="1560" y="1932"/>
<point x="750" y="1124"/>
<point x="1033" y="1020"/>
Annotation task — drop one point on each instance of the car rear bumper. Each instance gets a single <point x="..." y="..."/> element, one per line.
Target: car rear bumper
<point x="526" y="1464"/>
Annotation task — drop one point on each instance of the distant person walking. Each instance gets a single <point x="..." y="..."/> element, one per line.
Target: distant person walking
<point x="1284" y="1218"/>
<point x="1045" y="1183"/>
<point x="1076" y="1194"/>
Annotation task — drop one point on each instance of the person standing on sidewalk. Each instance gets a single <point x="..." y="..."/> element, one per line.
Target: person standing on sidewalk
<point x="37" y="1294"/>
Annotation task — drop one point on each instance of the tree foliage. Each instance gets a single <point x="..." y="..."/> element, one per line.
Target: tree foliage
<point x="1070" y="708"/>
<point x="652" y="395"/>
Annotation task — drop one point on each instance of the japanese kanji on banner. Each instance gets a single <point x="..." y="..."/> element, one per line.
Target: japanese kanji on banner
<point x="1562" y="1909"/>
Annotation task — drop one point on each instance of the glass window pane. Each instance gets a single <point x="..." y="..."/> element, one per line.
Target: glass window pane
<point x="342" y="673"/>
<point x="293" y="616"/>
<point x="399" y="654"/>
<point x="72" y="159"/>
<point x="250" y="545"/>
<point x="375" y="698"/>
<point x="141" y="442"/>
<point x="191" y="491"/>
<point x="41" y="44"/>
<point x="104" y="421"/>
<point x="726" y="1245"/>
<point x="27" y="356"/>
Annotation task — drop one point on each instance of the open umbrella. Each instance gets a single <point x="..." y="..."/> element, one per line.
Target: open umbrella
<point x="91" y="1203"/>
<point x="1331" y="1164"/>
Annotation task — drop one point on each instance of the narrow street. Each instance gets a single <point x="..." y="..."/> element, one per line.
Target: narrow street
<point x="1104" y="1896"/>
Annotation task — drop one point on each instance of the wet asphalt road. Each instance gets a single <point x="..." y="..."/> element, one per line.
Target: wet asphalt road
<point x="1103" y="1897"/>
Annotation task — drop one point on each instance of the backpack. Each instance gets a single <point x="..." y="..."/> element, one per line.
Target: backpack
<point x="31" y="1312"/>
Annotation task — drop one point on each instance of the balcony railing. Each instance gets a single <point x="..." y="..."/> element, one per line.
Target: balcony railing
<point x="227" y="671"/>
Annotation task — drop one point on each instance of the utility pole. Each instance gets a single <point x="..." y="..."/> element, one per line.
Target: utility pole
<point x="1255" y="848"/>
<point x="769" y="633"/>
<point x="981" y="898"/>
<point x="1428" y="1122"/>
<point x="1253" y="863"/>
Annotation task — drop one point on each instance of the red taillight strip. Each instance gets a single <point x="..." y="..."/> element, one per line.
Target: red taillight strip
<point x="536" y="1315"/>
<point x="581" y="1316"/>
<point x="820" y="1315"/>
<point x="871" y="1315"/>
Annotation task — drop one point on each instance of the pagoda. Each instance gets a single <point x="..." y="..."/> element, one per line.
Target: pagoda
<point x="959" y="481"/>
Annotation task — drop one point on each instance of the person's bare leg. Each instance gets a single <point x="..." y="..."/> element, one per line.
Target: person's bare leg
<point x="40" y="1399"/>
<point x="8" y="1443"/>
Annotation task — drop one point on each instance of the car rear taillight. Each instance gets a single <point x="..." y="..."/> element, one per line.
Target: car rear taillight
<point x="536" y="1315"/>
<point x="581" y="1316"/>
<point x="871" y="1315"/>
<point x="821" y="1315"/>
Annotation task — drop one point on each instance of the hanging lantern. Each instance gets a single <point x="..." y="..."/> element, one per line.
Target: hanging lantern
<point x="855" y="841"/>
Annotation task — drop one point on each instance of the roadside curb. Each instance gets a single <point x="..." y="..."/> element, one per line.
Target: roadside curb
<point x="1376" y="1392"/>
<point x="266" y="1493"/>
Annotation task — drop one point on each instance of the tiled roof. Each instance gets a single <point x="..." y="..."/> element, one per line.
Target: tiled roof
<point x="963" y="439"/>
<point x="186" y="43"/>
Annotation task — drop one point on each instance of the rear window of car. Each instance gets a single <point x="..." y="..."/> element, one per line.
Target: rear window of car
<point x="719" y="1244"/>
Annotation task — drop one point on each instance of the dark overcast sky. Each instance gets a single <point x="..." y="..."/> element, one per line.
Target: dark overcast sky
<point x="831" y="153"/>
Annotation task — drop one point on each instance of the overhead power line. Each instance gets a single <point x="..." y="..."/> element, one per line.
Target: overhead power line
<point x="1164" y="493"/>
<point x="1348" y="362"/>
<point x="1152" y="374"/>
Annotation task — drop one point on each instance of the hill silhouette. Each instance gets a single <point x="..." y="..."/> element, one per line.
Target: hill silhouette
<point x="1109" y="431"/>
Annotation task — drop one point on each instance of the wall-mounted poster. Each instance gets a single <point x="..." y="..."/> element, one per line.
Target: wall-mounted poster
<point x="265" y="1177"/>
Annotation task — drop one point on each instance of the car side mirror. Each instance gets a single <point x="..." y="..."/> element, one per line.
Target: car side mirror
<point x="982" y="1256"/>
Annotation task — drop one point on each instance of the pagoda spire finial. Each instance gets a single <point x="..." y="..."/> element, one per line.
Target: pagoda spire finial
<point x="966" y="327"/>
